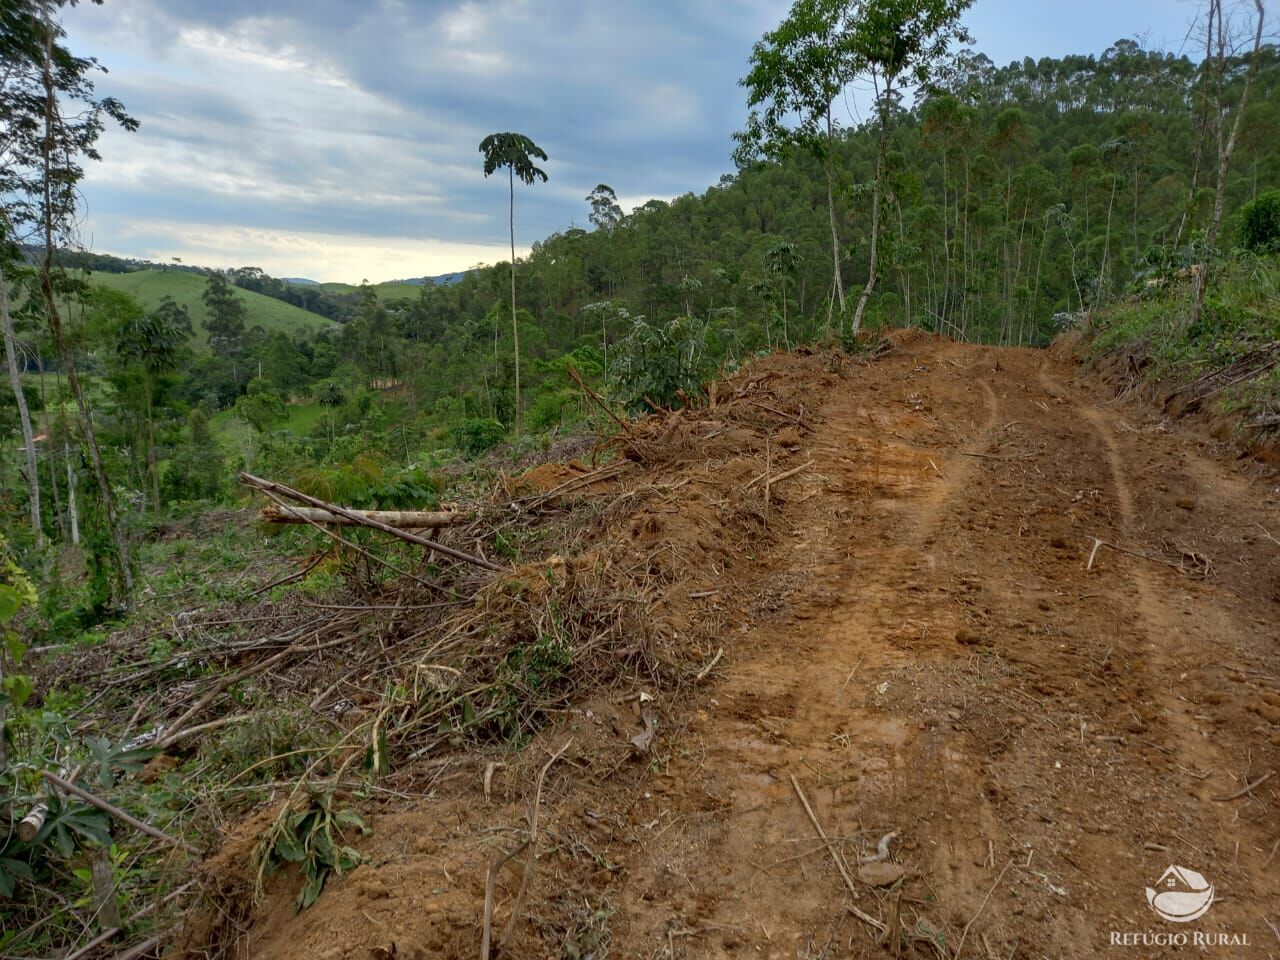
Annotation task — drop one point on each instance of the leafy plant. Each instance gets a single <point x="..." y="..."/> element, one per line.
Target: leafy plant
<point x="1260" y="223"/>
<point x="476" y="437"/>
<point x="310" y="834"/>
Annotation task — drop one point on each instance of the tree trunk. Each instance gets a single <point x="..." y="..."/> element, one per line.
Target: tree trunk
<point x="73" y="510"/>
<point x="1224" y="155"/>
<point x="402" y="519"/>
<point x="515" y="327"/>
<point x="153" y="468"/>
<point x="876" y="189"/>
<point x="831" y="213"/>
<point x="1106" y="247"/>
<point x="24" y="415"/>
<point x="124" y="572"/>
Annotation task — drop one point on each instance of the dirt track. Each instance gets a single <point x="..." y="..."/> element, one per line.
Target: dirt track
<point x="922" y="646"/>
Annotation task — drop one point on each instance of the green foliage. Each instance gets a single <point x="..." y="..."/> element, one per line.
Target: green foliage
<point x="660" y="361"/>
<point x="310" y="833"/>
<point x="226" y="317"/>
<point x="475" y="437"/>
<point x="1260" y="223"/>
<point x="151" y="287"/>
<point x="261" y="406"/>
<point x="196" y="470"/>
<point x="1239" y="316"/>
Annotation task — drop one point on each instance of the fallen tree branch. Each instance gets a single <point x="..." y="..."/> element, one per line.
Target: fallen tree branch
<point x="599" y="401"/>
<point x="109" y="808"/>
<point x="271" y="486"/>
<point x="110" y="932"/>
<point x="770" y="481"/>
<point x="402" y="519"/>
<point x="1180" y="567"/>
<point x="705" y="671"/>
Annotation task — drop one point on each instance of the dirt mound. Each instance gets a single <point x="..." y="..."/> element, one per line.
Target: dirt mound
<point x="546" y="477"/>
<point x="938" y="603"/>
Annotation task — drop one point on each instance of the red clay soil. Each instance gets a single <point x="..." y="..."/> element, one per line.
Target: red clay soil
<point x="923" y="635"/>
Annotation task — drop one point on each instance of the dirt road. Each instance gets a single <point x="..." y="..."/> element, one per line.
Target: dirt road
<point x="931" y="646"/>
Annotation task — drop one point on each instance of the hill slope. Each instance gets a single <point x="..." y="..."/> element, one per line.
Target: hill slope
<point x="151" y="286"/>
<point x="981" y="612"/>
<point x="389" y="290"/>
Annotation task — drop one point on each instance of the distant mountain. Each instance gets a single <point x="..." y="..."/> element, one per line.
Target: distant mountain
<point x="300" y="281"/>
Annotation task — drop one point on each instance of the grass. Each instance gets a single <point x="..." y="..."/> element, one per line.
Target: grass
<point x="299" y="420"/>
<point x="1239" y="318"/>
<point x="383" y="291"/>
<point x="150" y="286"/>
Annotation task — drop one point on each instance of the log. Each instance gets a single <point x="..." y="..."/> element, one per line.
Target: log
<point x="289" y="493"/>
<point x="33" y="822"/>
<point x="402" y="519"/>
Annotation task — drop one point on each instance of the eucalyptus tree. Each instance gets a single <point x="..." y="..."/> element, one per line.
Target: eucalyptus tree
<point x="53" y="119"/>
<point x="797" y="71"/>
<point x="153" y="343"/>
<point x="782" y="260"/>
<point x="225" y="322"/>
<point x="12" y="349"/>
<point x="516" y="152"/>
<point x="897" y="42"/>
<point x="606" y="213"/>
<point x="1219" y="43"/>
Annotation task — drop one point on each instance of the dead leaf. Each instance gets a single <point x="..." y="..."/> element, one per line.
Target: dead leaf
<point x="642" y="740"/>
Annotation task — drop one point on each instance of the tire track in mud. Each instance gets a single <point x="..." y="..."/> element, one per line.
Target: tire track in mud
<point x="797" y="704"/>
<point x="1169" y="640"/>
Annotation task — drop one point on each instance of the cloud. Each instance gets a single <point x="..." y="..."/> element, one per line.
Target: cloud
<point x="335" y="256"/>
<point x="359" y="123"/>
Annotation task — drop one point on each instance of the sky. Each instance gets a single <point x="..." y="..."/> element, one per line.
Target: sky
<point x="339" y="140"/>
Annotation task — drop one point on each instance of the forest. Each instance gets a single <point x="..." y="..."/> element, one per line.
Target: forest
<point x="1131" y="197"/>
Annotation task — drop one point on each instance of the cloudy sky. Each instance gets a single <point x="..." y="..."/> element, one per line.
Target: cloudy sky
<point x="338" y="140"/>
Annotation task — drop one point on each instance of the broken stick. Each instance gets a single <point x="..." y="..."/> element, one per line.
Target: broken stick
<point x="109" y="808"/>
<point x="835" y="856"/>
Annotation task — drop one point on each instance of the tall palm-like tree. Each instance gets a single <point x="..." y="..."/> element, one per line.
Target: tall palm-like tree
<point x="516" y="152"/>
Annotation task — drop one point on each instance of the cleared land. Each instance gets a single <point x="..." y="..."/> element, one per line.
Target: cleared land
<point x="957" y="598"/>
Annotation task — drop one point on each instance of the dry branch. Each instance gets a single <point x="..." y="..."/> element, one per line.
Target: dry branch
<point x="835" y="856"/>
<point x="1248" y="788"/>
<point x="272" y="487"/>
<point x="532" y="845"/>
<point x="113" y="810"/>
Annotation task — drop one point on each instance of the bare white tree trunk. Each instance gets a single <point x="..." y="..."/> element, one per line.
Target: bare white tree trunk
<point x="24" y="415"/>
<point x="73" y="511"/>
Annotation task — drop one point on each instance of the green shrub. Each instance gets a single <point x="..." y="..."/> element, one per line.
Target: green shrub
<point x="476" y="437"/>
<point x="1259" y="227"/>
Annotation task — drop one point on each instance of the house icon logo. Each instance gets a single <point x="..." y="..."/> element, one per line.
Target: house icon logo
<point x="1181" y="895"/>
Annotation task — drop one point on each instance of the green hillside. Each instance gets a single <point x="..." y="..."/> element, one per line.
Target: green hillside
<point x="150" y="286"/>
<point x="384" y="291"/>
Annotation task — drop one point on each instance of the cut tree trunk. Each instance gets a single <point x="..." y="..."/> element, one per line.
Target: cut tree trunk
<point x="279" y="489"/>
<point x="401" y="519"/>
